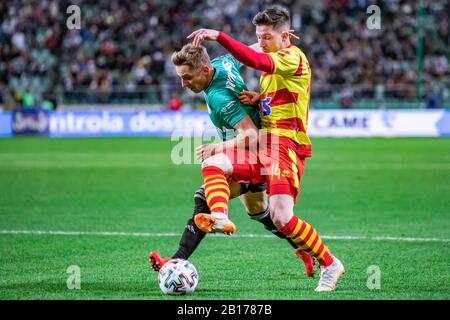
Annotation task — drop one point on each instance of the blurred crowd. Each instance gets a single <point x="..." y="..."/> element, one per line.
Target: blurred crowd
<point x="123" y="48"/>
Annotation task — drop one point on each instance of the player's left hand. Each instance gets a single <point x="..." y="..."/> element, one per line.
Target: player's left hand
<point x="249" y="97"/>
<point x="205" y="151"/>
<point x="203" y="34"/>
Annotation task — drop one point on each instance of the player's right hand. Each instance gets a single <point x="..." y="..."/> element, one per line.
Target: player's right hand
<point x="203" y="34"/>
<point x="249" y="97"/>
<point x="205" y="151"/>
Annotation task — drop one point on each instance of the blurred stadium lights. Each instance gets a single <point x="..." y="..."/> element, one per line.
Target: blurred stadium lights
<point x="120" y="55"/>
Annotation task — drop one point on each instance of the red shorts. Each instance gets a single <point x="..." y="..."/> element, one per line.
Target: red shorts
<point x="278" y="164"/>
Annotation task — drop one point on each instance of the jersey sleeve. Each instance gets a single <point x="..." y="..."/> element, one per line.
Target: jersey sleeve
<point x="245" y="54"/>
<point x="231" y="110"/>
<point x="287" y="62"/>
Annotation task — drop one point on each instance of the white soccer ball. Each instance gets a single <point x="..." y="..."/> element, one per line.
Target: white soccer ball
<point x="178" y="277"/>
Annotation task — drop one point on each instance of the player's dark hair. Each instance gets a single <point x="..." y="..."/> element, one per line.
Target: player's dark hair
<point x="192" y="56"/>
<point x="275" y="16"/>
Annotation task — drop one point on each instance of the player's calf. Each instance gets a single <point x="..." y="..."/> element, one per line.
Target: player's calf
<point x="192" y="235"/>
<point x="265" y="219"/>
<point x="217" y="194"/>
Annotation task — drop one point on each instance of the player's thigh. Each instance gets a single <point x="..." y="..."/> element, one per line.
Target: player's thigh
<point x="239" y="166"/>
<point x="254" y="202"/>
<point x="284" y="173"/>
<point x="221" y="161"/>
<point x="246" y="167"/>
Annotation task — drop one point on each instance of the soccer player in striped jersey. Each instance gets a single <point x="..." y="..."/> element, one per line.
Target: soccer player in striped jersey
<point x="236" y="123"/>
<point x="284" y="101"/>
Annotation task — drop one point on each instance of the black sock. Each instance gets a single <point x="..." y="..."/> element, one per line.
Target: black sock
<point x="266" y="220"/>
<point x="192" y="236"/>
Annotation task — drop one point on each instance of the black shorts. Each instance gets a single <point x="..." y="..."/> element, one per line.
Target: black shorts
<point x="246" y="187"/>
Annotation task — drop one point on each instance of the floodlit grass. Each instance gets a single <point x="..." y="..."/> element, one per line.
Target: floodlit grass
<point x="362" y="188"/>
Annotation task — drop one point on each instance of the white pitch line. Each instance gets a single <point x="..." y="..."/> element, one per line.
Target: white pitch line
<point x="249" y="235"/>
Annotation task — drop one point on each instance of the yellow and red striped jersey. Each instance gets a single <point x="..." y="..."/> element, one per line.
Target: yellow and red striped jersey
<point x="285" y="96"/>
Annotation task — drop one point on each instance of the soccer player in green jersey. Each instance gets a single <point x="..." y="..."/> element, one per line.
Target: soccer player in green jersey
<point x="237" y="125"/>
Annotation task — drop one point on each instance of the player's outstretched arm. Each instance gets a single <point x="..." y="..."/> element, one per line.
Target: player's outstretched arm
<point x="212" y="35"/>
<point x="243" y="53"/>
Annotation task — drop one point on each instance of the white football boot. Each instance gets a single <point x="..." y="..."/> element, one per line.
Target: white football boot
<point x="330" y="275"/>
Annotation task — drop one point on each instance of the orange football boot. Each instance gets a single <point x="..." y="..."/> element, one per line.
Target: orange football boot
<point x="215" y="222"/>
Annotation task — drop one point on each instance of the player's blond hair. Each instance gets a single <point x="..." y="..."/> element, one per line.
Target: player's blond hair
<point x="192" y="56"/>
<point x="278" y="17"/>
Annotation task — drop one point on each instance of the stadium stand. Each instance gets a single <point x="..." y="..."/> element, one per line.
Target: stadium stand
<point x="122" y="53"/>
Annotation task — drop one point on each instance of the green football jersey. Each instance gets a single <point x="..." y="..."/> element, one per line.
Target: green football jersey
<point x="224" y="107"/>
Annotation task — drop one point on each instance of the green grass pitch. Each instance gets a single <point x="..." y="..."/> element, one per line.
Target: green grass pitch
<point x="381" y="202"/>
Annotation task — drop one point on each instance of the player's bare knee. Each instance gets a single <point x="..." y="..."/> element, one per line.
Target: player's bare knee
<point x="280" y="215"/>
<point x="276" y="218"/>
<point x="281" y="209"/>
<point x="220" y="161"/>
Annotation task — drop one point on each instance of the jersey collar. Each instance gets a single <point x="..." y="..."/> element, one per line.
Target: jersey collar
<point x="212" y="79"/>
